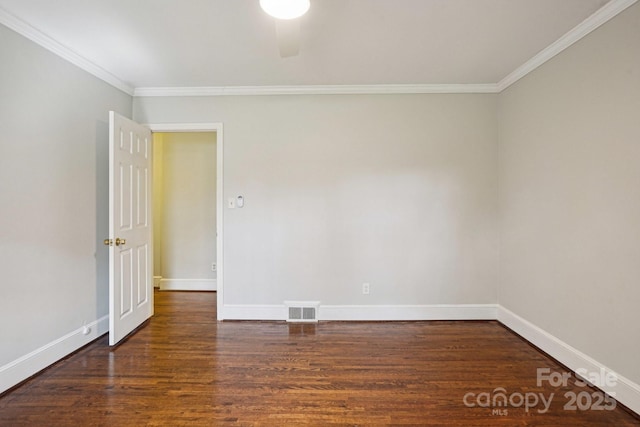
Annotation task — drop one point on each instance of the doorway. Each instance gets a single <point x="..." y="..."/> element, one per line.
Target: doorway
<point x="187" y="180"/>
<point x="184" y="211"/>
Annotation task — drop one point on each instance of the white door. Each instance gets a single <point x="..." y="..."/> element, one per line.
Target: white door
<point x="130" y="227"/>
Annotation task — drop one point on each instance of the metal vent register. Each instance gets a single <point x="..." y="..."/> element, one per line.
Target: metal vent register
<point x="302" y="311"/>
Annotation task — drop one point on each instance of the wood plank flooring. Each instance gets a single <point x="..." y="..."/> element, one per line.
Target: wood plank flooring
<point x="184" y="368"/>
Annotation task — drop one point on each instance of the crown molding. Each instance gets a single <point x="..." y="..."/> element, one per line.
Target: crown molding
<point x="601" y="16"/>
<point x="38" y="37"/>
<point x="185" y="127"/>
<point x="315" y="90"/>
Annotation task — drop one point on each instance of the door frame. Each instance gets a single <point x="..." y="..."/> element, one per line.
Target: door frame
<point x="218" y="129"/>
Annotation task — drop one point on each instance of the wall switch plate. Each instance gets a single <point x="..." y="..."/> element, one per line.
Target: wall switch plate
<point x="366" y="288"/>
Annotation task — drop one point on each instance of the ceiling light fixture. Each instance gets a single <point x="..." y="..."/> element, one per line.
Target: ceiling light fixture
<point x="285" y="9"/>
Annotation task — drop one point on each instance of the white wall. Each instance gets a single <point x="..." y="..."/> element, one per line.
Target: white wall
<point x="396" y="190"/>
<point x="53" y="202"/>
<point x="570" y="196"/>
<point x="187" y="229"/>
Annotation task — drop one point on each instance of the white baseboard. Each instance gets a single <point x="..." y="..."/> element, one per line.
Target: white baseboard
<point x="369" y="312"/>
<point x="254" y="312"/>
<point x="156" y="281"/>
<point x="625" y="391"/>
<point x="30" y="364"/>
<point x="188" y="285"/>
<point x="409" y="312"/>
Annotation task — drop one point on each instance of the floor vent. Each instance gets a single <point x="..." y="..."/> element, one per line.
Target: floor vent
<point x="302" y="311"/>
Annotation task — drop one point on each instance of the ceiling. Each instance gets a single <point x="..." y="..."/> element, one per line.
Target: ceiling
<point x="222" y="43"/>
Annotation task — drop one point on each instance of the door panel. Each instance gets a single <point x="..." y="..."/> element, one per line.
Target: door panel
<point x="143" y="278"/>
<point x="125" y="283"/>
<point x="130" y="279"/>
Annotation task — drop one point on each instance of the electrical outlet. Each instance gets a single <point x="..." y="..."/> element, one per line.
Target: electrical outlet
<point x="214" y="267"/>
<point x="365" y="288"/>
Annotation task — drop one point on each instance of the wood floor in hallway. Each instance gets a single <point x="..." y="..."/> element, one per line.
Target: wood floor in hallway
<point x="184" y="368"/>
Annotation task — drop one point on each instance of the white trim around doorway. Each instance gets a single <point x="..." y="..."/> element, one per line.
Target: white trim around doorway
<point x="218" y="129"/>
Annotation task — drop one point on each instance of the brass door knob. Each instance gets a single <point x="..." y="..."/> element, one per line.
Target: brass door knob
<point x="108" y="242"/>
<point x="120" y="242"/>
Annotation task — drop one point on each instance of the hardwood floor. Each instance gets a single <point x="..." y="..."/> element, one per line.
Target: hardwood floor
<point x="184" y="368"/>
